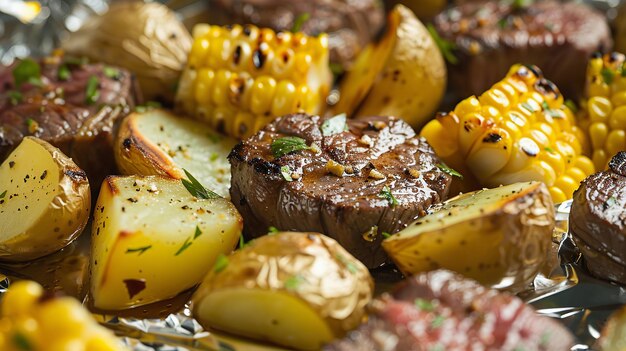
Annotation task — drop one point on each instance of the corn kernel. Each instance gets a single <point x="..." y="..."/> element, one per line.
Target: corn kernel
<point x="600" y="109"/>
<point x="20" y="299"/>
<point x="557" y="194"/>
<point x="615" y="142"/>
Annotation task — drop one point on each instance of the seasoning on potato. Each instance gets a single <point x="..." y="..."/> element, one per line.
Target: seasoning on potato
<point x="44" y="201"/>
<point x="499" y="237"/>
<point x="298" y="290"/>
<point x="154" y="237"/>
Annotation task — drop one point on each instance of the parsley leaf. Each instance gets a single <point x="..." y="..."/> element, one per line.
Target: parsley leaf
<point x="286" y="145"/>
<point x="445" y="169"/>
<point x="385" y="235"/>
<point x="550" y="111"/>
<point x="27" y="71"/>
<point x="196" y="189"/>
<point x="21" y="341"/>
<point x="549" y="149"/>
<point x="91" y="90"/>
<point x="571" y="105"/>
<point x="197" y="233"/>
<point x="272" y="230"/>
<point x="424" y="305"/>
<point x="334" y="125"/>
<point x="64" y="73"/>
<point x="607" y="75"/>
<point x="293" y="282"/>
<point x="15" y="97"/>
<point x="445" y="46"/>
<point x="139" y="249"/>
<point x="242" y="243"/>
<point x="386" y="194"/>
<point x="4" y="193"/>
<point x="437" y="322"/>
<point x="286" y="172"/>
<point x="184" y="247"/>
<point x="299" y="21"/>
<point x="111" y="72"/>
<point x="220" y="263"/>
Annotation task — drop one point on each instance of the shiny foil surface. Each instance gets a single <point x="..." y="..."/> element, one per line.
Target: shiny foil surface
<point x="565" y="291"/>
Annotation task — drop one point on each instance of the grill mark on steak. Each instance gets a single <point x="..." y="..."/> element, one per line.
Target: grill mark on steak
<point x="343" y="207"/>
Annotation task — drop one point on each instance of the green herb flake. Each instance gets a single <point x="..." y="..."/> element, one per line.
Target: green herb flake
<point x="299" y="21"/>
<point x="30" y="122"/>
<point x="75" y="61"/>
<point x="293" y="282"/>
<point x="242" y="242"/>
<point x="572" y="106"/>
<point x="385" y="235"/>
<point x="215" y="138"/>
<point x="197" y="233"/>
<point x="445" y="46"/>
<point x="111" y="72"/>
<point x="220" y="263"/>
<point x="141" y="250"/>
<point x="286" y="145"/>
<point x="64" y="73"/>
<point x="503" y="22"/>
<point x="437" y="347"/>
<point x="607" y="75"/>
<point x="386" y="194"/>
<point x="549" y="149"/>
<point x="445" y="169"/>
<point x="336" y="68"/>
<point x="437" y="322"/>
<point x="196" y="189"/>
<point x="15" y="97"/>
<point x="286" y="172"/>
<point x="549" y="111"/>
<point x="612" y="201"/>
<point x="91" y="91"/>
<point x="4" y="193"/>
<point x="183" y="247"/>
<point x="272" y="230"/>
<point x="21" y="342"/>
<point x="424" y="305"/>
<point x="334" y="125"/>
<point x="528" y="107"/>
<point x="214" y="156"/>
<point x="350" y="266"/>
<point x="27" y="71"/>
<point x="521" y="4"/>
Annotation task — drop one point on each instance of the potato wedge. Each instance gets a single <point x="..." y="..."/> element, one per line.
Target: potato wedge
<point x="387" y="74"/>
<point x="44" y="201"/>
<point x="157" y="142"/>
<point x="152" y="239"/>
<point x="499" y="237"/>
<point x="298" y="290"/>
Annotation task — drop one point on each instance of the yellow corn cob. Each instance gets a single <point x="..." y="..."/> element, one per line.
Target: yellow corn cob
<point x="240" y="78"/>
<point x="32" y="321"/>
<point x="519" y="130"/>
<point x="603" y="111"/>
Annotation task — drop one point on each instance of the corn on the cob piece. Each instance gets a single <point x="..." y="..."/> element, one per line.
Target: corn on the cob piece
<point x="519" y="130"/>
<point x="239" y="78"/>
<point x="603" y="111"/>
<point x="30" y="320"/>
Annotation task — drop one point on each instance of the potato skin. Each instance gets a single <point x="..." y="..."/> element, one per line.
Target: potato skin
<point x="504" y="244"/>
<point x="70" y="209"/>
<point x="333" y="283"/>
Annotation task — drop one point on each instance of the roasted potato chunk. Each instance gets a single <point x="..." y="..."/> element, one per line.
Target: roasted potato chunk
<point x="499" y="237"/>
<point x="44" y="201"/>
<point x="298" y="290"/>
<point x="152" y="239"/>
<point x="156" y="142"/>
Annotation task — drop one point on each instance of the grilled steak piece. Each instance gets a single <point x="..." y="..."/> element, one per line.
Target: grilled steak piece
<point x="558" y="37"/>
<point x="373" y="176"/>
<point x="598" y="220"/>
<point x="440" y="310"/>
<point x="74" y="109"/>
<point x="350" y="24"/>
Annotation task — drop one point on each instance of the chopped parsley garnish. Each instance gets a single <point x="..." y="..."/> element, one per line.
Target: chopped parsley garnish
<point x="521" y="4"/>
<point x="21" y="341"/>
<point x="334" y="125"/>
<point x="242" y="242"/>
<point x="64" y="73"/>
<point x="91" y="91"/>
<point x="336" y="68"/>
<point x="293" y="282"/>
<point x="286" y="145"/>
<point x="571" y="105"/>
<point x="607" y="75"/>
<point x="445" y="169"/>
<point x="424" y="305"/>
<point x="445" y="46"/>
<point x="111" y="72"/>
<point x="386" y="194"/>
<point x="197" y="233"/>
<point x="27" y="71"/>
<point x="437" y="322"/>
<point x="139" y="249"/>
<point x="15" y="97"/>
<point x="4" y="193"/>
<point x="196" y="189"/>
<point x="350" y="266"/>
<point x="272" y="230"/>
<point x="149" y="105"/>
<point x="220" y="263"/>
<point x="385" y="235"/>
<point x="214" y="156"/>
<point x="549" y="111"/>
<point x="75" y="61"/>
<point x="528" y="107"/>
<point x="299" y="21"/>
<point x="549" y="149"/>
<point x="286" y="172"/>
<point x="184" y="247"/>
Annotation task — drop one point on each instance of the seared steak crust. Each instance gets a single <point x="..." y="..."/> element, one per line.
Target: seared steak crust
<point x="440" y="310"/>
<point x="377" y="153"/>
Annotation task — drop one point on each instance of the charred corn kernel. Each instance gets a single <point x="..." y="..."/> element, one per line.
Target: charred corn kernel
<point x="519" y="130"/>
<point x="251" y="74"/>
<point x="29" y="320"/>
<point x="603" y="109"/>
